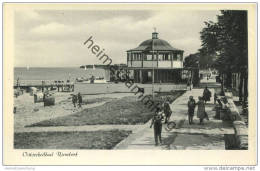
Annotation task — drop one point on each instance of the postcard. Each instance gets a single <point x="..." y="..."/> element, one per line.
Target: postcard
<point x="129" y="84"/>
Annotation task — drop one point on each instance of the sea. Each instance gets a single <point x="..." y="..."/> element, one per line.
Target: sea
<point x="36" y="75"/>
<point x="56" y="73"/>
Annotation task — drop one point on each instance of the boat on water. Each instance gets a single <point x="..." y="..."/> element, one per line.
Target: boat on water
<point x="92" y="80"/>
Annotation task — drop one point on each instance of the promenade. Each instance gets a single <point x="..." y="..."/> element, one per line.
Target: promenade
<point x="209" y="136"/>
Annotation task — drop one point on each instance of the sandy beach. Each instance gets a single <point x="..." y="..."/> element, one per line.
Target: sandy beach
<point x="28" y="112"/>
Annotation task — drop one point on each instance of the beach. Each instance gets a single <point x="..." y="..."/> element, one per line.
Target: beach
<point x="28" y="112"/>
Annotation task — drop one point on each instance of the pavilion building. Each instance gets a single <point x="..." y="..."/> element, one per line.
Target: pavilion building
<point x="155" y="60"/>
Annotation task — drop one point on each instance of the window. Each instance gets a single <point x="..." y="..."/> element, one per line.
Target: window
<point x="128" y="56"/>
<point x="149" y="57"/>
<point x="175" y="57"/>
<point x="160" y="57"/>
<point x="141" y="58"/>
<point x="178" y="56"/>
<point x="137" y="56"/>
<point x="166" y="57"/>
<point x="145" y="58"/>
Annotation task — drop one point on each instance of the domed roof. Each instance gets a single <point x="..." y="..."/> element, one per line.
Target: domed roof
<point x="158" y="44"/>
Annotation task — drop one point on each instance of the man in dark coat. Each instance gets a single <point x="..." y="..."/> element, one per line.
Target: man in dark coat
<point x="79" y="99"/>
<point x="215" y="98"/>
<point x="191" y="107"/>
<point x="74" y="100"/>
<point x="157" y="125"/>
<point x="206" y="94"/>
<point x="201" y="113"/>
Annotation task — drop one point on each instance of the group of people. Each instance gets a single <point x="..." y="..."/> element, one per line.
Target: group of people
<point x="77" y="99"/>
<point x="201" y="112"/>
<point x="162" y="115"/>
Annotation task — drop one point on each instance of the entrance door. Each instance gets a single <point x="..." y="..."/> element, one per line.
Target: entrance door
<point x="149" y="76"/>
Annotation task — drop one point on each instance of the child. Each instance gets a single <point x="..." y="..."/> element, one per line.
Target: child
<point x="157" y="125"/>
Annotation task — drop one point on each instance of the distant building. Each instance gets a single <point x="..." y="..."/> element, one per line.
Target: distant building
<point x="155" y="55"/>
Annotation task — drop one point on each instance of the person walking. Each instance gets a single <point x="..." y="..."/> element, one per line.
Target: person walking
<point x="74" y="100"/>
<point x="206" y="94"/>
<point x="167" y="110"/>
<point x="188" y="85"/>
<point x="191" y="107"/>
<point x="157" y="125"/>
<point x="79" y="99"/>
<point x="201" y="114"/>
<point x="215" y="97"/>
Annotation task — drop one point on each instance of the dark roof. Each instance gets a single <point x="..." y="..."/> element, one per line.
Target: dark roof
<point x="158" y="44"/>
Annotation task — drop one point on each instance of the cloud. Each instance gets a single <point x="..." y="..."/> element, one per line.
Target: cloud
<point x="56" y="37"/>
<point x="51" y="29"/>
<point x="27" y="15"/>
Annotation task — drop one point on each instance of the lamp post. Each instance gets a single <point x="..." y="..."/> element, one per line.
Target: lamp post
<point x="153" y="70"/>
<point x="198" y="65"/>
<point x="153" y="66"/>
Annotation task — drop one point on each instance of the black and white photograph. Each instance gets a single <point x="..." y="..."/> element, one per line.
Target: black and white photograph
<point x="137" y="78"/>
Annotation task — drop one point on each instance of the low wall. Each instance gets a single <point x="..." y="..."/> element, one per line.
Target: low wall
<point x="122" y="88"/>
<point x="240" y="139"/>
<point x="241" y="134"/>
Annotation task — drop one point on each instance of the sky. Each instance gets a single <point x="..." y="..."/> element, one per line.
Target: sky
<point x="54" y="38"/>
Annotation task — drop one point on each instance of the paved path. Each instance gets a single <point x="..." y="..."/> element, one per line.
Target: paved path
<point x="207" y="136"/>
<point x="133" y="128"/>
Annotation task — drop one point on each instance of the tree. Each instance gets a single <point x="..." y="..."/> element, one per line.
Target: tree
<point x="227" y="40"/>
<point x="192" y="61"/>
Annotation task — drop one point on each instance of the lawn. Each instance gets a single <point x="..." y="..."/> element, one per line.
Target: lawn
<point x="94" y="100"/>
<point x="172" y="95"/>
<point x="69" y="140"/>
<point x="125" y="111"/>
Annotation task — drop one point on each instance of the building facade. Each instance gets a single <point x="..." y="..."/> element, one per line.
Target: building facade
<point x="155" y="60"/>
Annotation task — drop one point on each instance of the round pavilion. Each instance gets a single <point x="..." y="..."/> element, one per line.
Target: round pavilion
<point x="155" y="60"/>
